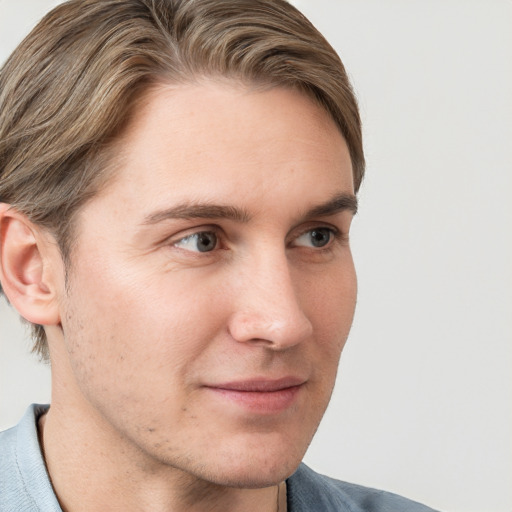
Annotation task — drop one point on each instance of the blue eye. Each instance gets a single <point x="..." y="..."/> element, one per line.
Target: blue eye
<point x="318" y="238"/>
<point x="204" y="241"/>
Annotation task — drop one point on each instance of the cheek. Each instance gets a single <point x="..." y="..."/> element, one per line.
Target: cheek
<point x="330" y="298"/>
<point x="141" y="325"/>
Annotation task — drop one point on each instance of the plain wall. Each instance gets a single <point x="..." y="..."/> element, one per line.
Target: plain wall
<point x="423" y="406"/>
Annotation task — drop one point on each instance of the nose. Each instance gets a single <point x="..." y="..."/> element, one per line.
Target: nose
<point x="267" y="308"/>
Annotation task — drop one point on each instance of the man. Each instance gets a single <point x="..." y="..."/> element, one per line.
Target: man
<point x="178" y="180"/>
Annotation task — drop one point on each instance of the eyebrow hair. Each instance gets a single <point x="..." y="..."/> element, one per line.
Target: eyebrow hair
<point x="340" y="202"/>
<point x="198" y="211"/>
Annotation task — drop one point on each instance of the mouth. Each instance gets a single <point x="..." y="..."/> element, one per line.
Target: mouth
<point x="262" y="396"/>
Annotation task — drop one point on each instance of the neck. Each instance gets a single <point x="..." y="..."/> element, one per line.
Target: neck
<point x="89" y="474"/>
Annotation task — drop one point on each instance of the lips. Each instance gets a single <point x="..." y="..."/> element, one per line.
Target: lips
<point x="263" y="396"/>
<point x="261" y="385"/>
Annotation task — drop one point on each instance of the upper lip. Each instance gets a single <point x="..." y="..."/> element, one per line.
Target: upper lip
<point x="260" y="384"/>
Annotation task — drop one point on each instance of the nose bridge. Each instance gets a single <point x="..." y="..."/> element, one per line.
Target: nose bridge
<point x="268" y="308"/>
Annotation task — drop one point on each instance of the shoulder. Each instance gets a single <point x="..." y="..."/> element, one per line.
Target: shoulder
<point x="11" y="481"/>
<point x="24" y="482"/>
<point x="310" y="492"/>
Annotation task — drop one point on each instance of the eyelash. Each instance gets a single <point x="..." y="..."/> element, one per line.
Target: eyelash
<point x="197" y="234"/>
<point x="335" y="235"/>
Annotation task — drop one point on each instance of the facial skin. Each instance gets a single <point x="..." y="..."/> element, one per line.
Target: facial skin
<point x="215" y="367"/>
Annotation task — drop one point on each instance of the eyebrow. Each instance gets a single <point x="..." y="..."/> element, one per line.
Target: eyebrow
<point x="341" y="202"/>
<point x="198" y="211"/>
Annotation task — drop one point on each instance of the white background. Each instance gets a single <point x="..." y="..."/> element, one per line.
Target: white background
<point x="423" y="406"/>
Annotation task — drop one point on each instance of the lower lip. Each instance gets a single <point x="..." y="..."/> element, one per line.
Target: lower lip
<point x="262" y="402"/>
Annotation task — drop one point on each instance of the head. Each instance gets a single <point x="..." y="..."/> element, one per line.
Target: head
<point x="229" y="82"/>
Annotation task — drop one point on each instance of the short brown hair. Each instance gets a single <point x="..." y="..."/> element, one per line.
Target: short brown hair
<point x="69" y="87"/>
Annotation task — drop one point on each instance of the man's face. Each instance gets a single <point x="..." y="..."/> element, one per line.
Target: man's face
<point x="212" y="287"/>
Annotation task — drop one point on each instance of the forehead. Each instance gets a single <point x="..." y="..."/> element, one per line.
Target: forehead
<point x="224" y="139"/>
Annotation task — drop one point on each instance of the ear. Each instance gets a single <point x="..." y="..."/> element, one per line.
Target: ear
<point x="26" y="273"/>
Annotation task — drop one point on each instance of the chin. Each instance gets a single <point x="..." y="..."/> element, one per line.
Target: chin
<point x="250" y="469"/>
<point x="253" y="476"/>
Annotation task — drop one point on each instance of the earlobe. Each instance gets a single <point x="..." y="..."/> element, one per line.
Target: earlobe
<point x="25" y="279"/>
